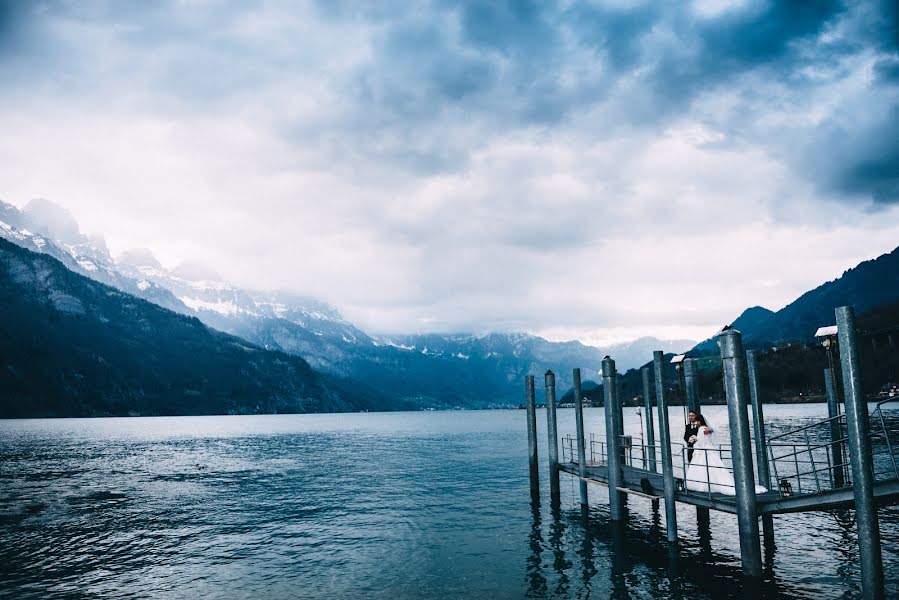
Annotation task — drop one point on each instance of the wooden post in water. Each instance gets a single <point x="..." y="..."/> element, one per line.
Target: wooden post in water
<point x="581" y="442"/>
<point x="532" y="436"/>
<point x="665" y="441"/>
<point x="736" y="388"/>
<point x="761" y="441"/>
<point x="860" y="458"/>
<point x="613" y="439"/>
<point x="836" y="432"/>
<point x="552" y="436"/>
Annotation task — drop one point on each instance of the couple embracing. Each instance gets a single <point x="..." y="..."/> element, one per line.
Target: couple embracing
<point x="706" y="471"/>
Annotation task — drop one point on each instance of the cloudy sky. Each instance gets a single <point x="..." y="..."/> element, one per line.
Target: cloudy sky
<point x="593" y="170"/>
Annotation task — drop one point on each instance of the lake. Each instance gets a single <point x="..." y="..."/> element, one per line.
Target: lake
<point x="376" y="505"/>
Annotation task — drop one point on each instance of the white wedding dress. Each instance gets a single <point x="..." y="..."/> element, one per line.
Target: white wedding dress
<point x="706" y="472"/>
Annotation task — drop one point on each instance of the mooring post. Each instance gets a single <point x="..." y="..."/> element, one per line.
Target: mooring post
<point x="650" y="442"/>
<point x="736" y="389"/>
<point x="619" y="404"/>
<point x="581" y="442"/>
<point x="836" y="432"/>
<point x="665" y="441"/>
<point x="552" y="435"/>
<point x="860" y="457"/>
<point x="692" y="385"/>
<point x="761" y="440"/>
<point x="613" y="439"/>
<point x="532" y="436"/>
<point x="647" y="413"/>
<point x="691" y="395"/>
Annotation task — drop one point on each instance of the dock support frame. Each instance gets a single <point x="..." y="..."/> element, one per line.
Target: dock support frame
<point x="691" y="385"/>
<point x="532" y="437"/>
<point x="613" y="439"/>
<point x="836" y="430"/>
<point x="761" y="439"/>
<point x="860" y="457"/>
<point x="736" y="387"/>
<point x="581" y="441"/>
<point x="552" y="436"/>
<point x="665" y="441"/>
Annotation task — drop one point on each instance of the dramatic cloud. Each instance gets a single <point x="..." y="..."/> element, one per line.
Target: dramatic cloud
<point x="597" y="170"/>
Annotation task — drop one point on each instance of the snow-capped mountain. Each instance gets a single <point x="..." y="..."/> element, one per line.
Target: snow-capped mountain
<point x="278" y="320"/>
<point x="424" y="370"/>
<point x="47" y="228"/>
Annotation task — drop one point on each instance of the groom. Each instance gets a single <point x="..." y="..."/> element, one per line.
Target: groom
<point x="690" y="433"/>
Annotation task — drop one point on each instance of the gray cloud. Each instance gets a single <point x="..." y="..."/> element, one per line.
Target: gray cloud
<point x="443" y="164"/>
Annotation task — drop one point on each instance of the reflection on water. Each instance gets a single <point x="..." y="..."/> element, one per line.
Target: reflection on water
<point x="535" y="579"/>
<point x="416" y="505"/>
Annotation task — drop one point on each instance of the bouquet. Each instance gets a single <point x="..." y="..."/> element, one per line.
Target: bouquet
<point x="692" y="439"/>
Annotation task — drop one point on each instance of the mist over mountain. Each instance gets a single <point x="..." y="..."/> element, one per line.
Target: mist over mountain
<point x="427" y="370"/>
<point x="86" y="255"/>
<point x="421" y="370"/>
<point x="70" y="346"/>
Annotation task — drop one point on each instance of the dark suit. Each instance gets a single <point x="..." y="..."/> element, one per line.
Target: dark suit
<point x="690" y="431"/>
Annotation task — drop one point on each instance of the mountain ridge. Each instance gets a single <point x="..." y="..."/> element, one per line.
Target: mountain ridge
<point x="866" y="286"/>
<point x="72" y="346"/>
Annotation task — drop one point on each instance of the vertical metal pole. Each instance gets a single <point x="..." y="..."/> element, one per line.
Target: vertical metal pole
<point x="647" y="411"/>
<point x="581" y="443"/>
<point x="691" y="401"/>
<point x="860" y="458"/>
<point x="761" y="440"/>
<point x="736" y="388"/>
<point x="836" y="432"/>
<point x="758" y="420"/>
<point x="619" y="404"/>
<point x="552" y="439"/>
<point x="690" y="377"/>
<point x="532" y="436"/>
<point x="613" y="439"/>
<point x="665" y="441"/>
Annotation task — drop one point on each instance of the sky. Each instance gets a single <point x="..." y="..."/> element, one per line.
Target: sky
<point x="596" y="170"/>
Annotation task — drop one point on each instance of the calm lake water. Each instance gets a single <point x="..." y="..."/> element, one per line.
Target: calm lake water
<point x="392" y="505"/>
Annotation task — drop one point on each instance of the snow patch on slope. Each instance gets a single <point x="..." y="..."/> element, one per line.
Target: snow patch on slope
<point x="221" y="307"/>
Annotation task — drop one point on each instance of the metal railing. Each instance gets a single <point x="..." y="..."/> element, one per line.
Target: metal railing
<point x="815" y="458"/>
<point x="697" y="472"/>
<point x="800" y="461"/>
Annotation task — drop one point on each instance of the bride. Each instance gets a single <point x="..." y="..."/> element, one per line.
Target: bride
<point x="707" y="472"/>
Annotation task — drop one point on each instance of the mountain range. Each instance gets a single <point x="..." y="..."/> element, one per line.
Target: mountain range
<point x="869" y="285"/>
<point x="426" y="370"/>
<point x="71" y="346"/>
<point x="351" y="369"/>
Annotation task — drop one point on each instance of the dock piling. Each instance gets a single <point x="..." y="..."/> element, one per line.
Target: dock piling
<point x="860" y="457"/>
<point x="836" y="431"/>
<point x="665" y="440"/>
<point x="691" y="395"/>
<point x="581" y="442"/>
<point x="761" y="440"/>
<point x="552" y="436"/>
<point x="647" y="415"/>
<point x="691" y="384"/>
<point x="650" y="442"/>
<point x="613" y="439"/>
<point x="532" y="436"/>
<point x="737" y="391"/>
